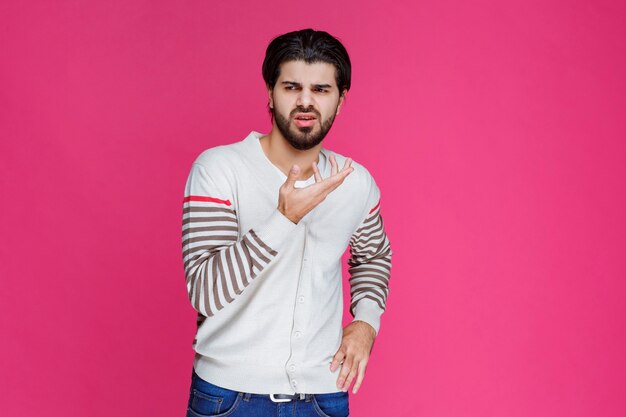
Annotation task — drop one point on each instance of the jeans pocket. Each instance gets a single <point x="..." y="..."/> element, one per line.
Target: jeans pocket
<point x="204" y="404"/>
<point x="209" y="400"/>
<point x="334" y="404"/>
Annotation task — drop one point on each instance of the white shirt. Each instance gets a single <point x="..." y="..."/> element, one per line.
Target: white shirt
<point x="269" y="292"/>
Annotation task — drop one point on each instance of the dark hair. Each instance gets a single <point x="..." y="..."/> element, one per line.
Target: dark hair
<point x="309" y="46"/>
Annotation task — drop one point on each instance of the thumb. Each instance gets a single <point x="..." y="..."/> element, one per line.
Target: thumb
<point x="293" y="175"/>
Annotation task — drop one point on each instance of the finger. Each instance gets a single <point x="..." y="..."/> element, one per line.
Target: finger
<point x="347" y="163"/>
<point x="353" y="371"/>
<point x="359" y="378"/>
<point x="345" y="370"/>
<point x="333" y="165"/>
<point x="340" y="176"/>
<point x="291" y="178"/>
<point x="336" y="181"/>
<point x="350" y="376"/>
<point x="326" y="185"/>
<point x="316" y="172"/>
<point x="337" y="359"/>
<point x="346" y="172"/>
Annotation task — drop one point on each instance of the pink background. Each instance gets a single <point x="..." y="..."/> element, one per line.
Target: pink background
<point x="495" y="131"/>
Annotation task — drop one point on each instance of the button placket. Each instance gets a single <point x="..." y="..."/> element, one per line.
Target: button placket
<point x="298" y="319"/>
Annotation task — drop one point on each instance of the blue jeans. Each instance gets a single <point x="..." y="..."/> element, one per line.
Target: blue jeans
<point x="208" y="400"/>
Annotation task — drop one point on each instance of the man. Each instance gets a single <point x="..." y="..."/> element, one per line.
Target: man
<point x="265" y="223"/>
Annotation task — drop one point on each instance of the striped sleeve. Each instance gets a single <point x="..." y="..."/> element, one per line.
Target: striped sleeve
<point x="370" y="266"/>
<point x="218" y="265"/>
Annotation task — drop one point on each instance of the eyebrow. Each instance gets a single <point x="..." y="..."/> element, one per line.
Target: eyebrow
<point x="295" y="84"/>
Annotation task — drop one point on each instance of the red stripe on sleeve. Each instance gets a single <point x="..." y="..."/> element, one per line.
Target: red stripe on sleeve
<point x="206" y="199"/>
<point x="375" y="207"/>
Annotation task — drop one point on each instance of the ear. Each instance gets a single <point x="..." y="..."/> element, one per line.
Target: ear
<point x="270" y="98"/>
<point x="342" y="97"/>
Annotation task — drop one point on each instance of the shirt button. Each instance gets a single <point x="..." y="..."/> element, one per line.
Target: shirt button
<point x="298" y="335"/>
<point x="292" y="368"/>
<point x="294" y="382"/>
<point x="304" y="259"/>
<point x="301" y="299"/>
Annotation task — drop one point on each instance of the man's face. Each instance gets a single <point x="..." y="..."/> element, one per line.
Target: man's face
<point x="304" y="102"/>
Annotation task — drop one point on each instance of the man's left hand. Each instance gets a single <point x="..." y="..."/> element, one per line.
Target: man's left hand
<point x="356" y="345"/>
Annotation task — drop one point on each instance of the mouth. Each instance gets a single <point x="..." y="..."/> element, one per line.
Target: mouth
<point x="304" y="119"/>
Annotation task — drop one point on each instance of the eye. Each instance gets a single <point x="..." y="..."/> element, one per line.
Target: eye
<point x="321" y="90"/>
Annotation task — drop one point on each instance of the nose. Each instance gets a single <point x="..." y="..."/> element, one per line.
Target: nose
<point x="304" y="98"/>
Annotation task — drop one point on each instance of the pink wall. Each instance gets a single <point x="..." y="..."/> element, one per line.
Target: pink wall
<point x="495" y="131"/>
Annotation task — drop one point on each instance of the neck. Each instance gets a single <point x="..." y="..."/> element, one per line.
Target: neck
<point x="284" y="156"/>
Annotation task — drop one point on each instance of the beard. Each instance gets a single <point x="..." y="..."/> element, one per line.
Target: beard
<point x="306" y="137"/>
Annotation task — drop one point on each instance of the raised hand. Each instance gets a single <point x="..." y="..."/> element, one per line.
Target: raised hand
<point x="295" y="203"/>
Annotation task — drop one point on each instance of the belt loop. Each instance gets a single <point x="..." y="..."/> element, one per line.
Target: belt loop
<point x="302" y="396"/>
<point x="246" y="396"/>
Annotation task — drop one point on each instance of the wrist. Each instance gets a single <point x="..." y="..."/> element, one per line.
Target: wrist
<point x="368" y="327"/>
<point x="284" y="213"/>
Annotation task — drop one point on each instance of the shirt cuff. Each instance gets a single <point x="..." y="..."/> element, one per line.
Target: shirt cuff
<point x="275" y="229"/>
<point x="368" y="311"/>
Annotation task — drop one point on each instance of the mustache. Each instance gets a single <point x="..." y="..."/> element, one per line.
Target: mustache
<point x="301" y="109"/>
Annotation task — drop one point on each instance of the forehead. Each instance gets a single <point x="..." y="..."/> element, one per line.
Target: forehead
<point x="313" y="73"/>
